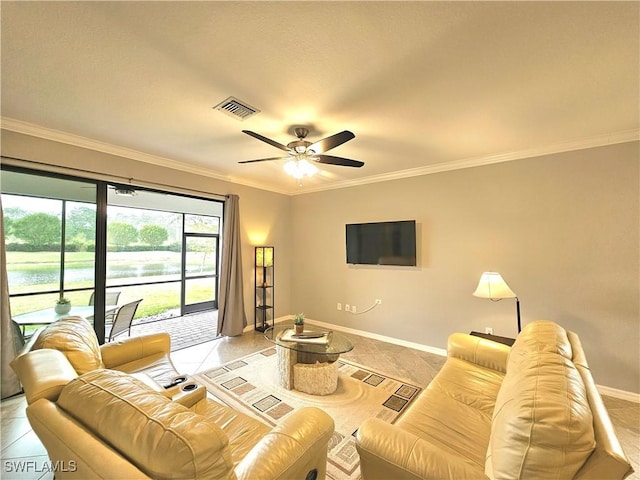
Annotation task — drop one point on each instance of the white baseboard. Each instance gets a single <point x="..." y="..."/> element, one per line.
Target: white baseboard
<point x="383" y="338"/>
<point x="604" y="390"/>
<point x="621" y="394"/>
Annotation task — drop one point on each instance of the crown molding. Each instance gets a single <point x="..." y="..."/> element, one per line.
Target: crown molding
<point x="593" y="142"/>
<point x="45" y="133"/>
<point x="260" y="186"/>
<point x="34" y="130"/>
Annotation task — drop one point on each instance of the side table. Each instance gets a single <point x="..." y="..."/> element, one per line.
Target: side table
<point x="496" y="338"/>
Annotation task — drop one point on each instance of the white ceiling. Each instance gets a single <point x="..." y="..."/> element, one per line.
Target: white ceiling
<point x="425" y="86"/>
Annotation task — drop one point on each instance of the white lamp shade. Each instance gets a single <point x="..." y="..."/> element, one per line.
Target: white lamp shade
<point x="492" y="285"/>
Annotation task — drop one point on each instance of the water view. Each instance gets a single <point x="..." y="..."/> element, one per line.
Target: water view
<point x="51" y="275"/>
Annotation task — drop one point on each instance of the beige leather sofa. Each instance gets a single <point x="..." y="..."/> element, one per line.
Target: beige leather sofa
<point x="527" y="412"/>
<point x="104" y="412"/>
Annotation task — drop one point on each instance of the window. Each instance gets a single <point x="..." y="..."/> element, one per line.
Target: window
<point x="50" y="239"/>
<point x="161" y="247"/>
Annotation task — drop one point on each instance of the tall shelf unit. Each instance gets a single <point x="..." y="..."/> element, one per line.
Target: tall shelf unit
<point x="264" y="285"/>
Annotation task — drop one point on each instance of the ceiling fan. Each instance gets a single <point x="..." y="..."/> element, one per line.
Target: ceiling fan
<point x="301" y="149"/>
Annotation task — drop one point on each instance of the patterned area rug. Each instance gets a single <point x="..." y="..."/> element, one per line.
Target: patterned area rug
<point x="250" y="385"/>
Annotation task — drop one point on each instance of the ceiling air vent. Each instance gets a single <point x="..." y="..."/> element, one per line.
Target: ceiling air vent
<point x="236" y="109"/>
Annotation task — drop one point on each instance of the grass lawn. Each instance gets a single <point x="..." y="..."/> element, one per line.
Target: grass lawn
<point x="157" y="299"/>
<point x="15" y="259"/>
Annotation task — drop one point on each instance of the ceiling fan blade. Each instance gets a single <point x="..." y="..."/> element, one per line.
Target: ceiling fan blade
<point x="266" y="140"/>
<point x="331" y="160"/>
<point x="331" y="142"/>
<point x="263" y="160"/>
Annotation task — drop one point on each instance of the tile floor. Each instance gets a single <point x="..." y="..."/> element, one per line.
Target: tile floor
<point x="21" y="450"/>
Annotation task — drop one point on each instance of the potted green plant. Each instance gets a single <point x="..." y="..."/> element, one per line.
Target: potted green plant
<point x="298" y="321"/>
<point x="63" y="305"/>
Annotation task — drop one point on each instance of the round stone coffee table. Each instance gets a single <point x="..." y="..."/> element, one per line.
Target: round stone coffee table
<point x="308" y="362"/>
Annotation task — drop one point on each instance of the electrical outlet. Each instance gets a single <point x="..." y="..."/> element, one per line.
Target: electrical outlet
<point x="378" y="301"/>
<point x="347" y="308"/>
<point x="488" y="330"/>
<point x="353" y="309"/>
<point x="339" y="306"/>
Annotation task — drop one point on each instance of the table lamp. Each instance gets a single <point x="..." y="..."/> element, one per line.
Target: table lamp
<point x="493" y="287"/>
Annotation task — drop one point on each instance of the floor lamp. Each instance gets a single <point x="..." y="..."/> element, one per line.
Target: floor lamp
<point x="493" y="287"/>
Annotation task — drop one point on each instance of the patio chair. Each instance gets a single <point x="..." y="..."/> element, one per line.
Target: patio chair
<point x="18" y="336"/>
<point x="123" y="318"/>
<point x="110" y="298"/>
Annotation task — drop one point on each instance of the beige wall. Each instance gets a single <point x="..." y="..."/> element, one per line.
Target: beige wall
<point x="561" y="229"/>
<point x="265" y="216"/>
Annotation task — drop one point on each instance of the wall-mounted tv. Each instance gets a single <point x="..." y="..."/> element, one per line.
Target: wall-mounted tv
<point x="382" y="243"/>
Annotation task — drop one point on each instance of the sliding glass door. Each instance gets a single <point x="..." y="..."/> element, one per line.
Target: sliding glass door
<point x="50" y="237"/>
<point x="91" y="241"/>
<point x="201" y="255"/>
<point x="163" y="249"/>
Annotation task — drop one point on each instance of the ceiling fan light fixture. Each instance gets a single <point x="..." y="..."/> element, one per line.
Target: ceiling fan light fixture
<point x="300" y="168"/>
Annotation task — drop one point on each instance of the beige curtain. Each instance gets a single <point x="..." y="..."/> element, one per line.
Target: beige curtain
<point x="231" y="315"/>
<point x="10" y="383"/>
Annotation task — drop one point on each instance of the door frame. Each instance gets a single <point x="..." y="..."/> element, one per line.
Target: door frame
<point x="202" y="306"/>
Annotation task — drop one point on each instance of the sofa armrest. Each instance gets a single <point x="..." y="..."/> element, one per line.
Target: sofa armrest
<point x="188" y="398"/>
<point x="478" y="350"/>
<point x="608" y="460"/>
<point x="387" y="451"/>
<point x="43" y="373"/>
<point x="296" y="446"/>
<point x="134" y="348"/>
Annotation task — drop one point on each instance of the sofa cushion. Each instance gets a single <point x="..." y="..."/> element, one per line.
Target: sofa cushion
<point x="162" y="438"/>
<point x="243" y="431"/>
<point x="75" y="338"/>
<point x="542" y="424"/>
<point x="454" y="412"/>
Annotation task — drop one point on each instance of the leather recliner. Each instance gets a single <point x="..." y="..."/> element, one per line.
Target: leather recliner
<point x="76" y="340"/>
<point x="97" y="422"/>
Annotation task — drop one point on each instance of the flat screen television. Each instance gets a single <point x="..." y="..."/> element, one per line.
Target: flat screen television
<point x="382" y="243"/>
